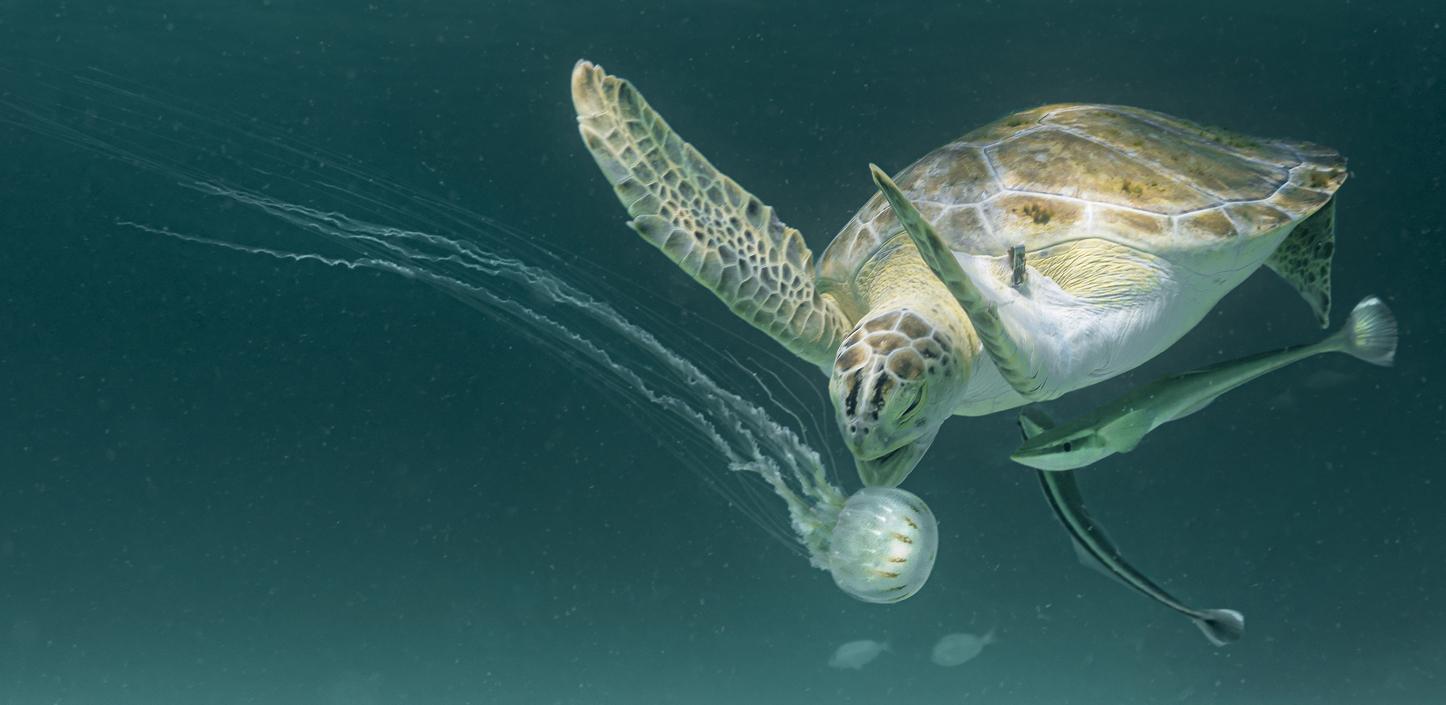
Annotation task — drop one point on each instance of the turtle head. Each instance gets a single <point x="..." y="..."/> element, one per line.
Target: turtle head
<point x="896" y="378"/>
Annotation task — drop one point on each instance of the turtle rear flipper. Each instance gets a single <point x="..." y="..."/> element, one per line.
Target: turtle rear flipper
<point x="721" y="235"/>
<point x="1304" y="260"/>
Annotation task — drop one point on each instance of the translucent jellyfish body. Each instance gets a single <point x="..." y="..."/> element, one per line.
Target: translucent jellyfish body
<point x="883" y="547"/>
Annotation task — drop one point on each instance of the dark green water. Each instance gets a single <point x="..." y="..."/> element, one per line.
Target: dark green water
<point x="230" y="479"/>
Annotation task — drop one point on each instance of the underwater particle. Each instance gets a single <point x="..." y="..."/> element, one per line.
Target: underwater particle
<point x="857" y="654"/>
<point x="960" y="648"/>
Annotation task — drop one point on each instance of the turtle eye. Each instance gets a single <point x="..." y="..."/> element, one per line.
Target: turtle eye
<point x="913" y="405"/>
<point x="911" y="408"/>
<point x="1068" y="446"/>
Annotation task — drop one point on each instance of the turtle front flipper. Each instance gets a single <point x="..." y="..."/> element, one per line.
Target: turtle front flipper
<point x="1010" y="355"/>
<point x="721" y="235"/>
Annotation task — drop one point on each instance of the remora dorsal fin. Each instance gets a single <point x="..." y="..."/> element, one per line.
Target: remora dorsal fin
<point x="1033" y="421"/>
<point x="1304" y="260"/>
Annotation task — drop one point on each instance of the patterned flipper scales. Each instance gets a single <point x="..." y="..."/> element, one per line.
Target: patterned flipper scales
<point x="1304" y="260"/>
<point x="718" y="233"/>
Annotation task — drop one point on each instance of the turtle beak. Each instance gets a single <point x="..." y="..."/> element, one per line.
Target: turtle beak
<point x="890" y="469"/>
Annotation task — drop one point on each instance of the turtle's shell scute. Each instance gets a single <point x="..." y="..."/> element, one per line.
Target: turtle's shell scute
<point x="1065" y="172"/>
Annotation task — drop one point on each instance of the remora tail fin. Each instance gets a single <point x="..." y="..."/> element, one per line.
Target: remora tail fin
<point x="1370" y="333"/>
<point x="1221" y="627"/>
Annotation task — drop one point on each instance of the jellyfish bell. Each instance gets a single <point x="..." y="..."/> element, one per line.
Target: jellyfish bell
<point x="883" y="547"/>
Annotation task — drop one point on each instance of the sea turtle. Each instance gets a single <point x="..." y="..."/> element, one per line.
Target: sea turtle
<point x="1044" y="252"/>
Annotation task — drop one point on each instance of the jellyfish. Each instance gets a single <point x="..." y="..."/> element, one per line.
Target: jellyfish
<point x="883" y="545"/>
<point x="878" y="544"/>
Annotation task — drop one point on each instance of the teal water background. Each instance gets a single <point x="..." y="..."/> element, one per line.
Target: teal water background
<point x="227" y="479"/>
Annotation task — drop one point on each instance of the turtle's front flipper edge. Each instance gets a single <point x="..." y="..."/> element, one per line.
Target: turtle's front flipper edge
<point x="721" y="235"/>
<point x="1010" y="356"/>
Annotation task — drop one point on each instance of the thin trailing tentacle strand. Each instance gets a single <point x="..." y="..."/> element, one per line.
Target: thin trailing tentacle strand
<point x="463" y="254"/>
<point x="748" y="440"/>
<point x="123" y="109"/>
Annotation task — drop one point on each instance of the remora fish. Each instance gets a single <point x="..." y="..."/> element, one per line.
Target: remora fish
<point x="1117" y="427"/>
<point x="1096" y="550"/>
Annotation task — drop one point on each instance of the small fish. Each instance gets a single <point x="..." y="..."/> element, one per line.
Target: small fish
<point x="1117" y="427"/>
<point x="955" y="649"/>
<point x="857" y="654"/>
<point x="1095" y="549"/>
